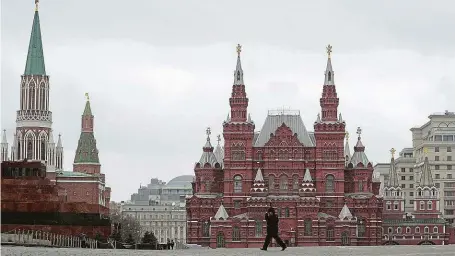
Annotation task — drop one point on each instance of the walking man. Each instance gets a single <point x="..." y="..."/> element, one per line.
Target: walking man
<point x="272" y="230"/>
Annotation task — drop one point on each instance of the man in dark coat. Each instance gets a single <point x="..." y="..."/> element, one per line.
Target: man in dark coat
<point x="272" y="230"/>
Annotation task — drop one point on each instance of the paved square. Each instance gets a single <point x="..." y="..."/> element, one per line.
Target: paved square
<point x="301" y="251"/>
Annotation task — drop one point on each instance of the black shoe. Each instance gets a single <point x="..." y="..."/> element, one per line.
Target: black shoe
<point x="262" y="249"/>
<point x="283" y="248"/>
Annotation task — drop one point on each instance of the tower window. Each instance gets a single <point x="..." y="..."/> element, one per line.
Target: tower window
<point x="29" y="150"/>
<point x="237" y="184"/>
<point x="284" y="183"/>
<point x="329" y="183"/>
<point x="271" y="182"/>
<point x="329" y="76"/>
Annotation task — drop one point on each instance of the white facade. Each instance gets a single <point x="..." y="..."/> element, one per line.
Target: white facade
<point x="160" y="208"/>
<point x="166" y="222"/>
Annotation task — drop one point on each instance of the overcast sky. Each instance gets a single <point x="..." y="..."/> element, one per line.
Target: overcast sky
<point x="160" y="72"/>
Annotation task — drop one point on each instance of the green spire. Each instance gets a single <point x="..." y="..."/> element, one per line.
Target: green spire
<point x="87" y="109"/>
<point x="86" y="151"/>
<point x="35" y="56"/>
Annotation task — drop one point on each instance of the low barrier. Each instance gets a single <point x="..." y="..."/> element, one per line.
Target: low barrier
<point x="45" y="239"/>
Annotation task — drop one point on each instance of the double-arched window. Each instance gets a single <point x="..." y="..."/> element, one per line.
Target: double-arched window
<point x="284" y="182"/>
<point x="237" y="184"/>
<point x="329" y="183"/>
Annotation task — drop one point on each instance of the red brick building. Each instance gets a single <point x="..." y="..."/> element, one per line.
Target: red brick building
<point x="34" y="139"/>
<point x="30" y="201"/>
<point x="322" y="193"/>
<point x="425" y="225"/>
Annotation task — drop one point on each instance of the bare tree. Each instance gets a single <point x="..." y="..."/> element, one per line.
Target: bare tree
<point x="128" y="226"/>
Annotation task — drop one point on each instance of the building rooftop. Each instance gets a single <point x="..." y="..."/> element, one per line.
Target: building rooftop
<point x="180" y="182"/>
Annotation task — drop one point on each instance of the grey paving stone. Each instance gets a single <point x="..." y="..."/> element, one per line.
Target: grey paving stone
<point x="301" y="251"/>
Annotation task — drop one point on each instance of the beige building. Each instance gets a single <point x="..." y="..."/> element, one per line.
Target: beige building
<point x="438" y="136"/>
<point x="160" y="208"/>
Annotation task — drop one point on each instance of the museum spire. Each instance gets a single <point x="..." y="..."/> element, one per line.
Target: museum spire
<point x="329" y="100"/>
<point x="35" y="56"/>
<point x="238" y="100"/>
<point x="238" y="73"/>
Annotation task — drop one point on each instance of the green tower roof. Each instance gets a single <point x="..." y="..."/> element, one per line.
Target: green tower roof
<point x="86" y="151"/>
<point x="87" y="109"/>
<point x="35" y="56"/>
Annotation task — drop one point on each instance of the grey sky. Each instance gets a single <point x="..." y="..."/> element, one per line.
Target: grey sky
<point x="160" y="72"/>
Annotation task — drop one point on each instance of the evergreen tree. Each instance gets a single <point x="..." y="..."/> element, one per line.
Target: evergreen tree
<point x="117" y="236"/>
<point x="153" y="239"/>
<point x="130" y="239"/>
<point x="146" y="239"/>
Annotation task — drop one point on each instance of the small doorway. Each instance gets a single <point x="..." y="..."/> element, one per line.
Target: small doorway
<point x="220" y="243"/>
<point x="345" y="238"/>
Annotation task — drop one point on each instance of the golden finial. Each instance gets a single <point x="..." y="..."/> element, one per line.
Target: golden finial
<point x="36" y="5"/>
<point x="347" y="135"/>
<point x="239" y="49"/>
<point x="86" y="96"/>
<point x="425" y="150"/>
<point x="329" y="50"/>
<point x="393" y="152"/>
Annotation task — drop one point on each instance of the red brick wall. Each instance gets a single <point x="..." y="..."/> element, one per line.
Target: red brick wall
<point x="87" y="168"/>
<point x="81" y="191"/>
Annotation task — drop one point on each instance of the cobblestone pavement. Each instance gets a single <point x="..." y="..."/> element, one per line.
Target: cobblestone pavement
<point x="424" y="250"/>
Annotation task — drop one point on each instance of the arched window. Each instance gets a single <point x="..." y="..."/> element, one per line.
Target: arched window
<point x="29" y="150"/>
<point x="258" y="229"/>
<point x="330" y="234"/>
<point x="271" y="182"/>
<point x="286" y="212"/>
<point x="329" y="76"/>
<point x="308" y="224"/>
<point x="399" y="230"/>
<point x="31" y="97"/>
<point x="206" y="229"/>
<point x="389" y="205"/>
<point x="235" y="233"/>
<point x="429" y="205"/>
<point x="426" y="230"/>
<point x="42" y="97"/>
<point x="360" y="185"/>
<point x="329" y="183"/>
<point x="395" y="205"/>
<point x="422" y="205"/>
<point x="417" y="230"/>
<point x="295" y="183"/>
<point x="390" y="230"/>
<point x="237" y="184"/>
<point x="18" y="156"/>
<point x="435" y="230"/>
<point x="237" y="152"/>
<point x="360" y="227"/>
<point x="43" y="149"/>
<point x="284" y="183"/>
<point x="408" y="230"/>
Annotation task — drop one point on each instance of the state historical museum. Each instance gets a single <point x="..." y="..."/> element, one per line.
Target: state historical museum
<point x="322" y="193"/>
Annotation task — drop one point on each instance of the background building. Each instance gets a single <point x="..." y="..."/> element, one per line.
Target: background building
<point x="423" y="224"/>
<point x="438" y="136"/>
<point x="160" y="208"/>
